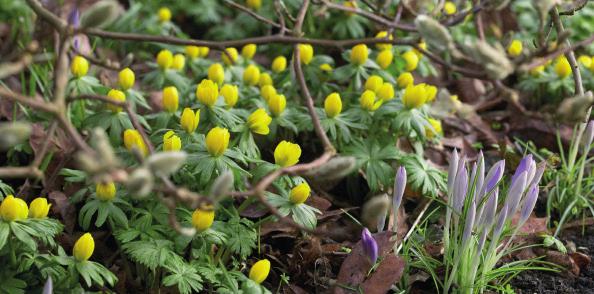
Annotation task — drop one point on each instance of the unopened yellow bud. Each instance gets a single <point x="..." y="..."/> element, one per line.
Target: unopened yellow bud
<point x="562" y="67"/>
<point x="585" y="60"/>
<point x="265" y="79"/>
<point x="260" y="270"/>
<point x="207" y="92"/>
<point x="79" y="67"/>
<point x="171" y="142"/>
<point x="515" y="48"/>
<point x="430" y="92"/>
<point x="164" y="14"/>
<point x="216" y="73"/>
<point x="230" y="94"/>
<point x="326" y="67"/>
<point x="202" y="219"/>
<point x="384" y="46"/>
<point x="231" y="52"/>
<point x="412" y="60"/>
<point x="287" y="154"/>
<point x="267" y="91"/>
<point x="449" y="8"/>
<point x="189" y="120"/>
<point x="414" y="96"/>
<point x="248" y="51"/>
<point x="84" y="247"/>
<point x="306" y="53"/>
<point x="164" y="59"/>
<point x="384" y="58"/>
<point x="437" y="129"/>
<point x="350" y="4"/>
<point x="373" y="83"/>
<point x="116" y="95"/>
<point x="386" y="92"/>
<point x="39" y="208"/>
<point x="204" y="51"/>
<point x="405" y="79"/>
<point x="13" y="209"/>
<point x="133" y="140"/>
<point x="300" y="193"/>
<point x="251" y="75"/>
<point x="259" y="121"/>
<point x="279" y="64"/>
<point x="192" y="51"/>
<point x="126" y="79"/>
<point x="359" y="54"/>
<point x="179" y="61"/>
<point x="369" y="101"/>
<point x="277" y="104"/>
<point x="217" y="141"/>
<point x="254" y="4"/>
<point x="333" y="105"/>
<point x="170" y="99"/>
<point x="105" y="191"/>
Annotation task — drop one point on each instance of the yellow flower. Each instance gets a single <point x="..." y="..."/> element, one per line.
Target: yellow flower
<point x="412" y="60"/>
<point x="430" y="92"/>
<point x="164" y="59"/>
<point x="207" y="92"/>
<point x="116" y="95"/>
<point x="79" y="66"/>
<point x="259" y="121"/>
<point x="217" y="141"/>
<point x="300" y="193"/>
<point x="192" y="51"/>
<point x="383" y="46"/>
<point x="277" y="104"/>
<point x="386" y="92"/>
<point x="133" y="139"/>
<point x="267" y="91"/>
<point x="13" y="209"/>
<point x="287" y="154"/>
<point x="359" y="54"/>
<point x="248" y="51"/>
<point x="414" y="96"/>
<point x="279" y="64"/>
<point x="368" y="101"/>
<point x="179" y="61"/>
<point x="105" y="191"/>
<point x="536" y="71"/>
<point x="265" y="79"/>
<point x="170" y="99"/>
<point x="84" y="247"/>
<point x="373" y="83"/>
<point x="405" y="79"/>
<point x="449" y="8"/>
<point x="333" y="105"/>
<point x="306" y="53"/>
<point x="326" y="67"/>
<point x="126" y="79"/>
<point x="437" y="130"/>
<point x="515" y="48"/>
<point x="350" y="4"/>
<point x="171" y="142"/>
<point x="164" y="14"/>
<point x="39" y="208"/>
<point x="423" y="46"/>
<point x="562" y="67"/>
<point x="230" y="93"/>
<point x="216" y="73"/>
<point x="384" y="58"/>
<point x="189" y="120"/>
<point x="585" y="60"/>
<point x="259" y="271"/>
<point x="254" y="4"/>
<point x="251" y="75"/>
<point x="204" y="51"/>
<point x="230" y="52"/>
<point x="202" y="219"/>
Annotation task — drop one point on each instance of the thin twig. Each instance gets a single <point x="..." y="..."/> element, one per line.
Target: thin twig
<point x="253" y="14"/>
<point x="577" y="77"/>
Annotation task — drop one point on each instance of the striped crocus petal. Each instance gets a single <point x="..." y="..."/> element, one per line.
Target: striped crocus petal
<point x="369" y="245"/>
<point x="480" y="177"/>
<point x="488" y="216"/>
<point x="399" y="187"/>
<point x="531" y="198"/>
<point x="469" y="222"/>
<point x="514" y="194"/>
<point x="500" y="224"/>
<point x="540" y="168"/>
<point x="453" y="168"/>
<point x="460" y="190"/>
<point x="493" y="176"/>
<point x="522" y="167"/>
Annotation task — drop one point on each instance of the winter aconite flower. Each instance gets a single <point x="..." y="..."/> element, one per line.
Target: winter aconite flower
<point x="248" y="51"/>
<point x="230" y="94"/>
<point x="287" y="154"/>
<point x="412" y="60"/>
<point x="404" y="80"/>
<point x="39" y="208"/>
<point x="170" y="99"/>
<point x="359" y="54"/>
<point x="265" y="79"/>
<point x="202" y="219"/>
<point x="267" y="91"/>
<point x="164" y="14"/>
<point x="251" y="75"/>
<point x="326" y="67"/>
<point x="430" y="92"/>
<point x="414" y="96"/>
<point x="164" y="59"/>
<point x="384" y="46"/>
<point x="562" y="67"/>
<point x="300" y="193"/>
<point x="384" y="58"/>
<point x="171" y="142"/>
<point x="333" y="105"/>
<point x="192" y="51"/>
<point x="373" y="83"/>
<point x="216" y="73"/>
<point x="369" y="102"/>
<point x="259" y="271"/>
<point x="279" y="64"/>
<point x="585" y="60"/>
<point x="277" y="104"/>
<point x="133" y="140"/>
<point x="449" y="8"/>
<point x="13" y="209"/>
<point x="207" y="92"/>
<point x="306" y="53"/>
<point x="259" y="121"/>
<point x="189" y="120"/>
<point x="179" y="61"/>
<point x="435" y="129"/>
<point x="126" y="79"/>
<point x="84" y="247"/>
<point x="350" y="4"/>
<point x="105" y="191"/>
<point x="116" y="95"/>
<point x="254" y="4"/>
<point x="217" y="141"/>
<point x="385" y="92"/>
<point x="422" y="45"/>
<point x="79" y="66"/>
<point x="231" y="52"/>
<point x="515" y="48"/>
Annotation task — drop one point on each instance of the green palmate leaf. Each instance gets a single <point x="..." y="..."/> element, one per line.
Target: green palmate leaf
<point x="241" y="236"/>
<point x="4" y="232"/>
<point x="151" y="253"/>
<point x="5" y="190"/>
<point x="423" y="178"/>
<point x="184" y="276"/>
<point x="373" y="159"/>
<point x="305" y="215"/>
<point x="10" y="284"/>
<point x="73" y="175"/>
<point x="95" y="273"/>
<point x="23" y="233"/>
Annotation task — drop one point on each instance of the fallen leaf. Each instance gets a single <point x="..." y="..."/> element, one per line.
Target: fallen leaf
<point x="61" y="204"/>
<point x="387" y="273"/>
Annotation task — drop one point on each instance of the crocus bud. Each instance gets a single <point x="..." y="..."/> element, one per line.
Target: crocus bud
<point x="500" y="223"/>
<point x="589" y="135"/>
<point x="230" y="94"/>
<point x="248" y="51"/>
<point x="369" y="101"/>
<point x="202" y="219"/>
<point x="562" y="67"/>
<point x="39" y="208"/>
<point x="333" y="105"/>
<point x="279" y="64"/>
<point x="306" y="53"/>
<point x="493" y="176"/>
<point x="259" y="121"/>
<point x="460" y="189"/>
<point x="105" y="191"/>
<point x="404" y="80"/>
<point x="488" y="215"/>
<point x="259" y="271"/>
<point x="412" y="60"/>
<point x="469" y="222"/>
<point x="277" y="104"/>
<point x="164" y="59"/>
<point x="189" y="120"/>
<point x="414" y="96"/>
<point x="251" y="75"/>
<point x="13" y="209"/>
<point x="164" y="14"/>
<point x="171" y="142"/>
<point x="480" y="174"/>
<point x="287" y="154"/>
<point x="79" y="67"/>
<point x="300" y="193"/>
<point x="452" y="169"/>
<point x="231" y="52"/>
<point x="540" y="168"/>
<point x="384" y="58"/>
<point x="370" y="247"/>
<point x="207" y="92"/>
<point x="515" y="193"/>
<point x="359" y="54"/>
<point x="383" y="35"/>
<point x="531" y="198"/>
<point x="179" y="61"/>
<point x="126" y="79"/>
<point x="216" y="73"/>
<point x="133" y="140"/>
<point x="385" y="92"/>
<point x="217" y="141"/>
<point x="192" y="51"/>
<point x="523" y="166"/>
<point x="84" y="247"/>
<point x="265" y="79"/>
<point x="116" y="95"/>
<point x="515" y="48"/>
<point x="170" y="99"/>
<point x="399" y="187"/>
<point x="267" y="92"/>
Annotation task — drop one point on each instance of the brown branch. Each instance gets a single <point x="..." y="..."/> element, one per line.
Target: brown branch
<point x="562" y="50"/>
<point x="10" y="172"/>
<point x="58" y="23"/>
<point x="28" y="101"/>
<point x="61" y="75"/>
<point x="577" y="77"/>
<point x="253" y="14"/>
<point x="371" y="16"/>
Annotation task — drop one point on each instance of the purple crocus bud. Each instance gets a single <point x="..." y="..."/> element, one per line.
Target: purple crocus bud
<point x="493" y="176"/>
<point x="480" y="176"/>
<point x="399" y="187"/>
<point x="469" y="222"/>
<point x="515" y="192"/>
<point x="531" y="198"/>
<point x="472" y="182"/>
<point x="522" y="167"/>
<point x="490" y="208"/>
<point x="452" y="171"/>
<point x="460" y="190"/>
<point x="369" y="245"/>
<point x="48" y="288"/>
<point x="589" y="135"/>
<point x="500" y="223"/>
<point x="531" y="171"/>
<point x="74" y="21"/>
<point x="540" y="168"/>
